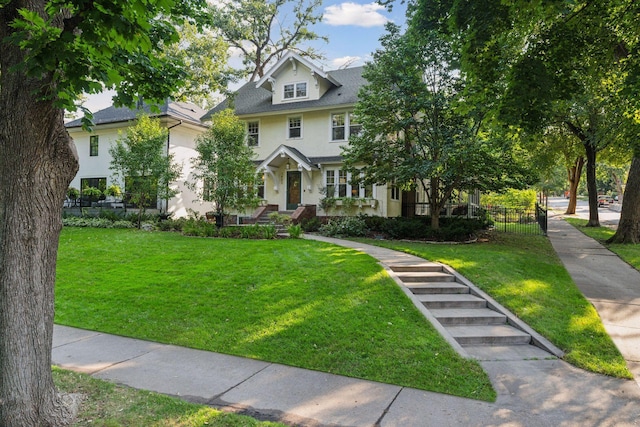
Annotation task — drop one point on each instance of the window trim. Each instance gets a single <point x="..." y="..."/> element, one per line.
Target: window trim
<point x="295" y="91"/>
<point x="349" y="188"/>
<point x="288" y="129"/>
<point x="94" y="139"/>
<point x="257" y="121"/>
<point x="347" y="125"/>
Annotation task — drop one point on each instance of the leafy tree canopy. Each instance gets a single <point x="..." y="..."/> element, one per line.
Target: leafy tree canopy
<point x="140" y="160"/>
<point x="224" y="172"/>
<point x="418" y="128"/>
<point x="262" y="32"/>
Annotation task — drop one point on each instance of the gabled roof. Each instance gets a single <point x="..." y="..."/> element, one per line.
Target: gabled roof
<point x="282" y="154"/>
<point x="249" y="99"/>
<point x="184" y="111"/>
<point x="292" y="57"/>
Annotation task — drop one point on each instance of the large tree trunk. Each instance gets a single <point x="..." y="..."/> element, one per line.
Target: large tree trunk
<point x="574" y="173"/>
<point x="37" y="162"/>
<point x="592" y="185"/>
<point x="629" y="226"/>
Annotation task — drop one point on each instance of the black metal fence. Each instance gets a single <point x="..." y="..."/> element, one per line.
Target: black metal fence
<point x="516" y="220"/>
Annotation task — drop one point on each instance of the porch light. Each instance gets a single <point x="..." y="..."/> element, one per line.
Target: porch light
<point x="288" y="166"/>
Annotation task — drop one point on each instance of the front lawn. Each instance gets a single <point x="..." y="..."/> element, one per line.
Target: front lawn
<point x="523" y="273"/>
<point x="297" y="302"/>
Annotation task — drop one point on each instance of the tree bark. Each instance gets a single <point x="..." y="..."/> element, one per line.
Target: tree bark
<point x="574" y="173"/>
<point x="592" y="185"/>
<point x="629" y="226"/>
<point x="37" y="162"/>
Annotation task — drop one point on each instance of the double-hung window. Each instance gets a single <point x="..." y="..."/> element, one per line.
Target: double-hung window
<point x="295" y="90"/>
<point x="253" y="133"/>
<point x="338" y="183"/>
<point x="294" y="127"/>
<point x="93" y="145"/>
<point x="343" y="126"/>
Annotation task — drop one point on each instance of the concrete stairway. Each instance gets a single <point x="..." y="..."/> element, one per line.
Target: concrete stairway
<point x="473" y="321"/>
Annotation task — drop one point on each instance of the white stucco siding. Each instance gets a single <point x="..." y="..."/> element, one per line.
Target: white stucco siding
<point x="315" y="139"/>
<point x="94" y="166"/>
<point x="182" y="142"/>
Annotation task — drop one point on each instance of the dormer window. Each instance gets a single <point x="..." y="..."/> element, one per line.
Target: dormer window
<point x="295" y="90"/>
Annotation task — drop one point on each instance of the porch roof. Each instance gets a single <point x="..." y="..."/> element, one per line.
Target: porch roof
<point x="283" y="154"/>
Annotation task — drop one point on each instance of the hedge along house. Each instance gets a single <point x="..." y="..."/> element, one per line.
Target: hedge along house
<point x="298" y="118"/>
<point x="182" y="121"/>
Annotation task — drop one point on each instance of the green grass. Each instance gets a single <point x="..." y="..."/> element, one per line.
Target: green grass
<point x="523" y="273"/>
<point x="297" y="302"/>
<point x="105" y="404"/>
<point x="629" y="253"/>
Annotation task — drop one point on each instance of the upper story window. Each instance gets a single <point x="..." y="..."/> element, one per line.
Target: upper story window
<point x="295" y="90"/>
<point x="253" y="133"/>
<point x="93" y="145"/>
<point x="344" y="126"/>
<point x="294" y="127"/>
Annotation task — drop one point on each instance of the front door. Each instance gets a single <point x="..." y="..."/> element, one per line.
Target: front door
<point x="294" y="194"/>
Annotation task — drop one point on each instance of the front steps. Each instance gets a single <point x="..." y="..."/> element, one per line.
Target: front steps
<point x="476" y="324"/>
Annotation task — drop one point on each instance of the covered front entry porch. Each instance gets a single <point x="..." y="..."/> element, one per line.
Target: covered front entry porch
<point x="288" y="178"/>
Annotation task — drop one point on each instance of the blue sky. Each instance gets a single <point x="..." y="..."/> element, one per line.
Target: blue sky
<point x="353" y="27"/>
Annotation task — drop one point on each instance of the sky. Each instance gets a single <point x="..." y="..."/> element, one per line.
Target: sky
<point x="353" y="28"/>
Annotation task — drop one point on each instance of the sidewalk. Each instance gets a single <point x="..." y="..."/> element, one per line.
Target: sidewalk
<point x="530" y="392"/>
<point x="610" y="284"/>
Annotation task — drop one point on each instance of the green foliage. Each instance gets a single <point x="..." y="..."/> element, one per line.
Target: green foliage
<point x="73" y="221"/>
<point x="92" y="192"/>
<point x="114" y="191"/>
<point x="224" y="172"/>
<point x="204" y="55"/>
<point x="297" y="302"/>
<point x="140" y="158"/>
<point x="420" y="130"/>
<point x="310" y="225"/>
<point x="262" y="32"/>
<point x="73" y="193"/>
<point x="278" y="218"/>
<point x="295" y="231"/>
<point x="511" y="198"/>
<point x="348" y="226"/>
<point x="203" y="228"/>
<point x="113" y="46"/>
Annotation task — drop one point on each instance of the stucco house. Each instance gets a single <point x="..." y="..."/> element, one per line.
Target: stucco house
<point x="298" y="118"/>
<point x="182" y="121"/>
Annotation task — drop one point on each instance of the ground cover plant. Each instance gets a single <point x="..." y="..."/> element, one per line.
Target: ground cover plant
<point x="523" y="273"/>
<point x="108" y="404"/>
<point x="297" y="302"/>
<point x="629" y="253"/>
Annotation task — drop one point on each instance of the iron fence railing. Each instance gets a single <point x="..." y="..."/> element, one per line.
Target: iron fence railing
<point x="517" y="220"/>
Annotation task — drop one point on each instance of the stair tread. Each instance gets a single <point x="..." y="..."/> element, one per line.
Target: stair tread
<point x="416" y="267"/>
<point x="485" y="331"/>
<point x="427" y="285"/>
<point x="447" y="297"/>
<point x="418" y="274"/>
<point x="466" y="312"/>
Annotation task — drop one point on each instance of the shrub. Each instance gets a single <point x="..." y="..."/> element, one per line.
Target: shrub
<point x="309" y="225"/>
<point x="348" y="226"/>
<point x="295" y="231"/>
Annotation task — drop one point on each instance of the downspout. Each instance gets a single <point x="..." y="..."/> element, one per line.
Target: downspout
<point x="166" y="201"/>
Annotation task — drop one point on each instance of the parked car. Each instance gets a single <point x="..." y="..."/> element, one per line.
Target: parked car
<point x="604" y="200"/>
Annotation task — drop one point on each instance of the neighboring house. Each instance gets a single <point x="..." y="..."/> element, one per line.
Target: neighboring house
<point x="298" y="118"/>
<point x="183" y="123"/>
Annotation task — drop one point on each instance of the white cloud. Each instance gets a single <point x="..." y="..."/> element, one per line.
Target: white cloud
<point x="349" y="13"/>
<point x="346" y="62"/>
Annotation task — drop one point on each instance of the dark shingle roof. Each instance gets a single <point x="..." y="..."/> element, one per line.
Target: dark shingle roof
<point x="178" y="110"/>
<point x="252" y="100"/>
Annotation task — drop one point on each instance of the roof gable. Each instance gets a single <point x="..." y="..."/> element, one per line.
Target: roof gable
<point x="253" y="100"/>
<point x="293" y="59"/>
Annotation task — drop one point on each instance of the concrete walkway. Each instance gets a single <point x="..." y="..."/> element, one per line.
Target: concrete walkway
<point x="530" y="392"/>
